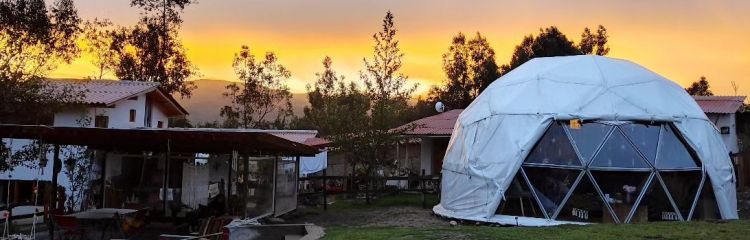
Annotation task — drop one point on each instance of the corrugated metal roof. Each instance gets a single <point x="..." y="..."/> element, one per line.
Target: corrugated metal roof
<point x="317" y="142"/>
<point x="437" y="125"/>
<point x="299" y="136"/>
<point x="720" y="104"/>
<point x="188" y="140"/>
<point x="307" y="137"/>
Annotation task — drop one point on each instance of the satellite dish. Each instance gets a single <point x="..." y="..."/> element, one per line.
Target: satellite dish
<point x="439" y="107"/>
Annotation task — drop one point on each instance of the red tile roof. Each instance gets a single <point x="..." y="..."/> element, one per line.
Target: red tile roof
<point x="720" y="104"/>
<point x="437" y="125"/>
<point x="107" y="92"/>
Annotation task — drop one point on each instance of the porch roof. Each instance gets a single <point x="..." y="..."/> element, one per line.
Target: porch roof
<point x="191" y="140"/>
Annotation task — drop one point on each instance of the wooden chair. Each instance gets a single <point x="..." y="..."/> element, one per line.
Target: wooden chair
<point x="516" y="190"/>
<point x="132" y="226"/>
<point x="69" y="226"/>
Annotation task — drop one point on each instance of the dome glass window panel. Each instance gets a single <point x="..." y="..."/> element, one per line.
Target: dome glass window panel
<point x="551" y="185"/>
<point x="518" y="200"/>
<point x="618" y="153"/>
<point x="588" y="137"/>
<point x="584" y="204"/>
<point x="620" y="189"/>
<point x="682" y="186"/>
<point x="674" y="153"/>
<point x="644" y="136"/>
<point x="655" y="205"/>
<point x="554" y="148"/>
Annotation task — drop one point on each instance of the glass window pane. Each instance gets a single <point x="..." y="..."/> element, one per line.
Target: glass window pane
<point x="682" y="186"/>
<point x="286" y="186"/>
<point x="655" y="206"/>
<point x="621" y="190"/>
<point x="519" y="200"/>
<point x="707" y="207"/>
<point x="588" y="137"/>
<point x="551" y="185"/>
<point x="554" y="148"/>
<point x="672" y="152"/>
<point x="617" y="152"/>
<point x="585" y="205"/>
<point x="645" y="137"/>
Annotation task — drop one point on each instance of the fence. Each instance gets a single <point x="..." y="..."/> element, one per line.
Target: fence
<point x="314" y="189"/>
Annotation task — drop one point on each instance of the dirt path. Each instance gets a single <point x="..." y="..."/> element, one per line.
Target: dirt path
<point x="376" y="217"/>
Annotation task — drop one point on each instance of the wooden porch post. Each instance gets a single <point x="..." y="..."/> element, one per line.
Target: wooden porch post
<point x="166" y="177"/>
<point x="104" y="180"/>
<point x="56" y="167"/>
<point x="229" y="181"/>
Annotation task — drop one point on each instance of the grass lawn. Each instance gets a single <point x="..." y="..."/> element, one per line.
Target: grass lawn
<point x="665" y="230"/>
<point x="662" y="230"/>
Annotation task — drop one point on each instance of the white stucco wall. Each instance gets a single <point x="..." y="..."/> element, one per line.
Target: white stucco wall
<point x="119" y="114"/>
<point x="426" y="156"/>
<point x="727" y="120"/>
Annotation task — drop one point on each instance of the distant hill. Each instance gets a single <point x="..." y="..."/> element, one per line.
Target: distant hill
<point x="207" y="100"/>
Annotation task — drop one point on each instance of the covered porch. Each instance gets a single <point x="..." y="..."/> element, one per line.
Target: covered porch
<point x="177" y="175"/>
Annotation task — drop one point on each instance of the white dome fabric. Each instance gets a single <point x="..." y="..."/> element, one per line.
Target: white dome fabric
<point x="493" y="136"/>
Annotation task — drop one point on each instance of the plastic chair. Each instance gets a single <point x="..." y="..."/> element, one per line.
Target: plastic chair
<point x="69" y="226"/>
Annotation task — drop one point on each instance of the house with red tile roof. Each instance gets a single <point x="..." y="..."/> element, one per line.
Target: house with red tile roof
<point x="722" y="111"/>
<point x="118" y="104"/>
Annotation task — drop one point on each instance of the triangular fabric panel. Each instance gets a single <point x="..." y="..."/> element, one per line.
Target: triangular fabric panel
<point x="554" y="148"/>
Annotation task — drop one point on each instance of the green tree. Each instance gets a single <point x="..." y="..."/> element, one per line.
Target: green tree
<point x="152" y="50"/>
<point x="550" y="42"/>
<point x="33" y="42"/>
<point x="470" y="67"/>
<point x="324" y="97"/>
<point x="262" y="91"/>
<point x="369" y="146"/>
<point x="700" y="88"/>
<point x="594" y="43"/>
<point x="98" y="44"/>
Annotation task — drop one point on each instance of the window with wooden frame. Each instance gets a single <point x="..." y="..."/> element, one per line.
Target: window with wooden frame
<point x="101" y="121"/>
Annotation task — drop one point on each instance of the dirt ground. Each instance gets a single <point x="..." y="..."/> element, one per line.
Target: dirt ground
<point x="743" y="203"/>
<point x="410" y="215"/>
<point x="395" y="216"/>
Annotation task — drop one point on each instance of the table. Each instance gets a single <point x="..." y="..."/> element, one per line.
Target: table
<point x="622" y="210"/>
<point x="101" y="216"/>
<point x="101" y="213"/>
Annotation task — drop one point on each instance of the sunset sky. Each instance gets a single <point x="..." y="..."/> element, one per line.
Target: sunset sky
<point x="680" y="40"/>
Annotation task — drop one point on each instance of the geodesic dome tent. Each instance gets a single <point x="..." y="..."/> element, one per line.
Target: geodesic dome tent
<point x="585" y="139"/>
